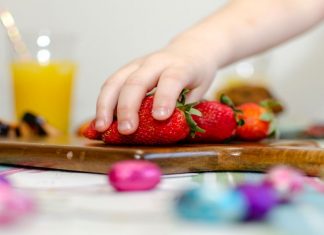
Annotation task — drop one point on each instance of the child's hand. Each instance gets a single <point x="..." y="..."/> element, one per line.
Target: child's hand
<point x="240" y="29"/>
<point x="180" y="65"/>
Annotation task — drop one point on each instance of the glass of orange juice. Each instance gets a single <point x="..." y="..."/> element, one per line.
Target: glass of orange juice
<point x="43" y="83"/>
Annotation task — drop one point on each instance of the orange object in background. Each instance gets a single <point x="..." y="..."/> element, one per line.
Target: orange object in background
<point x="44" y="89"/>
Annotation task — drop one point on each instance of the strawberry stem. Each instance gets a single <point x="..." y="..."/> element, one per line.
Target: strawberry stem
<point x="189" y="110"/>
<point x="183" y="94"/>
<point x="270" y="104"/>
<point x="193" y="125"/>
<point x="224" y="99"/>
<point x="239" y="122"/>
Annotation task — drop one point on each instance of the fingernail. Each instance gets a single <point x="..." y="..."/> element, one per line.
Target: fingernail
<point x="160" y="112"/>
<point x="124" y="126"/>
<point x="100" y="124"/>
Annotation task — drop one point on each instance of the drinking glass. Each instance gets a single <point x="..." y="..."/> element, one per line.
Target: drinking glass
<point x="43" y="80"/>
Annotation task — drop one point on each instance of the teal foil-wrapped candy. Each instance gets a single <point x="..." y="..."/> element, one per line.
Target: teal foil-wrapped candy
<point x="211" y="204"/>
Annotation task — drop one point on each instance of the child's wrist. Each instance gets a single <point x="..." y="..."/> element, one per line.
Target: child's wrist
<point x="211" y="47"/>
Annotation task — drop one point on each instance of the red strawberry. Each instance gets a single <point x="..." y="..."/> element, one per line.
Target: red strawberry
<point x="151" y="131"/>
<point x="91" y="133"/>
<point x="257" y="122"/>
<point x="217" y="119"/>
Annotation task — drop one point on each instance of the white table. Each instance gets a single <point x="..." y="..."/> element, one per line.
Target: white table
<point x="78" y="203"/>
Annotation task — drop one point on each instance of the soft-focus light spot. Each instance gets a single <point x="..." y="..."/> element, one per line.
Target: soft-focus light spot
<point x="43" y="56"/>
<point x="7" y="19"/>
<point x="244" y="69"/>
<point x="13" y="32"/>
<point x="43" y="41"/>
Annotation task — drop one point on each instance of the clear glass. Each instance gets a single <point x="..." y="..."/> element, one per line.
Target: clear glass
<point x="252" y="71"/>
<point x="43" y="80"/>
<point x="246" y="81"/>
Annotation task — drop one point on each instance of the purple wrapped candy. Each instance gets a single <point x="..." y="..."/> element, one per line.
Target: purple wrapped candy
<point x="4" y="180"/>
<point x="286" y="180"/>
<point x="134" y="175"/>
<point x="260" y="199"/>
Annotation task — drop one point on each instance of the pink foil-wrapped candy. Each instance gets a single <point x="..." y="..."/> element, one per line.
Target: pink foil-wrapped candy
<point x="13" y="205"/>
<point x="286" y="180"/>
<point x="134" y="175"/>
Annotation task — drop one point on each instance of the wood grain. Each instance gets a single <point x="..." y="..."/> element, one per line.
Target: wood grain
<point x="90" y="156"/>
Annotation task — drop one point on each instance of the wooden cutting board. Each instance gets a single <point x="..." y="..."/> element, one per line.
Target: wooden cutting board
<point x="90" y="156"/>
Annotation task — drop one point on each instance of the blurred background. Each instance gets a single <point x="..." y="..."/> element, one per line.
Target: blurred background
<point x="109" y="33"/>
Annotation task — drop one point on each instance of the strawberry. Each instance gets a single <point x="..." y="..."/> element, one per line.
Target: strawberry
<point x="154" y="132"/>
<point x="218" y="120"/>
<point x="258" y="122"/>
<point x="91" y="133"/>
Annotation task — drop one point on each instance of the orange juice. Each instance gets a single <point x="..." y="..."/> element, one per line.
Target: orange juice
<point x="44" y="89"/>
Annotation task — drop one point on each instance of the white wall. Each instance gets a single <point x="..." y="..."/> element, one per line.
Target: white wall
<point x="111" y="32"/>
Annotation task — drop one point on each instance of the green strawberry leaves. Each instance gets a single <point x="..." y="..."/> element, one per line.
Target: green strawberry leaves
<point x="239" y="121"/>
<point x="182" y="97"/>
<point x="224" y="99"/>
<point x="269" y="116"/>
<point x="270" y="104"/>
<point x="189" y="110"/>
<point x="195" y="112"/>
<point x="193" y="125"/>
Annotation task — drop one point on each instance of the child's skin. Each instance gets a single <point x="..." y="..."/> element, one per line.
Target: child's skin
<point x="240" y="29"/>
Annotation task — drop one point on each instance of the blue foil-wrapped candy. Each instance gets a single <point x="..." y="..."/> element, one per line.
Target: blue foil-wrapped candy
<point x="211" y="204"/>
<point x="260" y="199"/>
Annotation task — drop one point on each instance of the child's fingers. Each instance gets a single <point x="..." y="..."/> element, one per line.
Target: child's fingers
<point x="131" y="96"/>
<point x="108" y="96"/>
<point x="172" y="81"/>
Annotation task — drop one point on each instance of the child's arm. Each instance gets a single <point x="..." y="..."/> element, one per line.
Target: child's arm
<point x="238" y="30"/>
